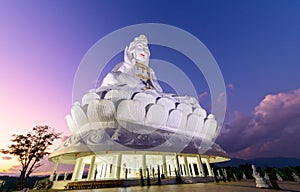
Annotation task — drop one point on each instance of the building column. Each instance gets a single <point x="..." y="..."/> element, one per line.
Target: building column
<point x="80" y="170"/>
<point x="200" y="165"/>
<point x="208" y="167"/>
<point x="77" y="168"/>
<point x="192" y="170"/>
<point x="144" y="165"/>
<point x="92" y="168"/>
<point x="165" y="171"/>
<point x="177" y="163"/>
<point x="105" y="172"/>
<point x="65" y="176"/>
<point x="53" y="171"/>
<point x="57" y="176"/>
<point x="186" y="166"/>
<point x="118" y="169"/>
<point x="113" y="168"/>
<point x="101" y="170"/>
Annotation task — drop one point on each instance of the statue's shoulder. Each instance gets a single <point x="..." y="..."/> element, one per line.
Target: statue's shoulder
<point x="118" y="67"/>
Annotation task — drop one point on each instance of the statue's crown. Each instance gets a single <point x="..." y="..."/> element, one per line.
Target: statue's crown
<point x="142" y="38"/>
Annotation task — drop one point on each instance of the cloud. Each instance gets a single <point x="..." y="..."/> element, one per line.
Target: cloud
<point x="14" y="170"/>
<point x="230" y="86"/>
<point x="272" y="130"/>
<point x="221" y="97"/>
<point x="6" y="158"/>
<point x="202" y="96"/>
<point x="64" y="137"/>
<point x="47" y="167"/>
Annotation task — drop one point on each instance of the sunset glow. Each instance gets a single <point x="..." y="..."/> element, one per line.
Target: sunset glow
<point x="256" y="45"/>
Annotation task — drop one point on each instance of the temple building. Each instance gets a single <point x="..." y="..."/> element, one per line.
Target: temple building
<point x="128" y="126"/>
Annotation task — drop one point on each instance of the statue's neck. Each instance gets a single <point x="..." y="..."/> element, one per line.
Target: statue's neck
<point x="145" y="63"/>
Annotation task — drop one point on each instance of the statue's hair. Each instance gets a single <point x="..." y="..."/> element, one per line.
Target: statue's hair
<point x="140" y="39"/>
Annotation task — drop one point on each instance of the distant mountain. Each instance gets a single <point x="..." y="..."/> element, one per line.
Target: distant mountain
<point x="279" y="162"/>
<point x="10" y="182"/>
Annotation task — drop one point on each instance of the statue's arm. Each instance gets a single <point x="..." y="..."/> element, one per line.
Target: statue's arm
<point x="128" y="57"/>
<point x="155" y="82"/>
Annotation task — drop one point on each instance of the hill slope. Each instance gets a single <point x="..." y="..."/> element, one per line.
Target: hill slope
<point x="279" y="162"/>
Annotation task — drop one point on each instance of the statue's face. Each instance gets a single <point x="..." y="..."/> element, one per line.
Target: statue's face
<point x="141" y="53"/>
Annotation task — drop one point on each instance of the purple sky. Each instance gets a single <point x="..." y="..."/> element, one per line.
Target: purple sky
<point x="256" y="44"/>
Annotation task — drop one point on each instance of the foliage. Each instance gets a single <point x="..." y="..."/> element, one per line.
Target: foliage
<point x="261" y="171"/>
<point x="284" y="173"/>
<point x="238" y="173"/>
<point x="297" y="169"/>
<point x="288" y="171"/>
<point x="247" y="169"/>
<point x="30" y="149"/>
<point x="272" y="171"/>
<point x="234" y="173"/>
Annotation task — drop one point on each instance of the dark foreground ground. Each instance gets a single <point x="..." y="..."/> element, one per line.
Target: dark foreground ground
<point x="240" y="186"/>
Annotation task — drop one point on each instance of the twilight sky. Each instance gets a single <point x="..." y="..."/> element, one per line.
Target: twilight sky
<point x="256" y="44"/>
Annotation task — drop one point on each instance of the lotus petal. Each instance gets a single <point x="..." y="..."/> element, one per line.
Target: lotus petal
<point x="167" y="103"/>
<point x="78" y="116"/>
<point x="195" y="123"/>
<point x="156" y="115"/>
<point x="186" y="109"/>
<point x="71" y="124"/>
<point x="174" y="119"/>
<point x="210" y="126"/>
<point x="89" y="97"/>
<point x="132" y="111"/>
<point x="144" y="97"/>
<point x="115" y="95"/>
<point x="200" y="111"/>
<point x="92" y="111"/>
<point x="106" y="110"/>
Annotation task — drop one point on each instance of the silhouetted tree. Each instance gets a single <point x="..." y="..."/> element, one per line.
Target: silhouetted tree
<point x="30" y="149"/>
<point x="247" y="169"/>
<point x="261" y="171"/>
<point x="288" y="171"/>
<point x="272" y="171"/>
<point x="238" y="173"/>
<point x="297" y="169"/>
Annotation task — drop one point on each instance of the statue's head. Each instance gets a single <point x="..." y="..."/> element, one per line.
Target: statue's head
<point x="138" y="51"/>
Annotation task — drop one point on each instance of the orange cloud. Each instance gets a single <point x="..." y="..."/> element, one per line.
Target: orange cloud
<point x="6" y="158"/>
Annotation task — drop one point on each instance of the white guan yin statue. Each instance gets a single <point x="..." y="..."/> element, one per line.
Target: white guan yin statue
<point x="130" y="97"/>
<point x="134" y="72"/>
<point x="135" y="75"/>
<point x="134" y="83"/>
<point x="129" y="122"/>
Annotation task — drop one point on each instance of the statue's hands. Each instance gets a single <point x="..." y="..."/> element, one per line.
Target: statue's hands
<point x="128" y="57"/>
